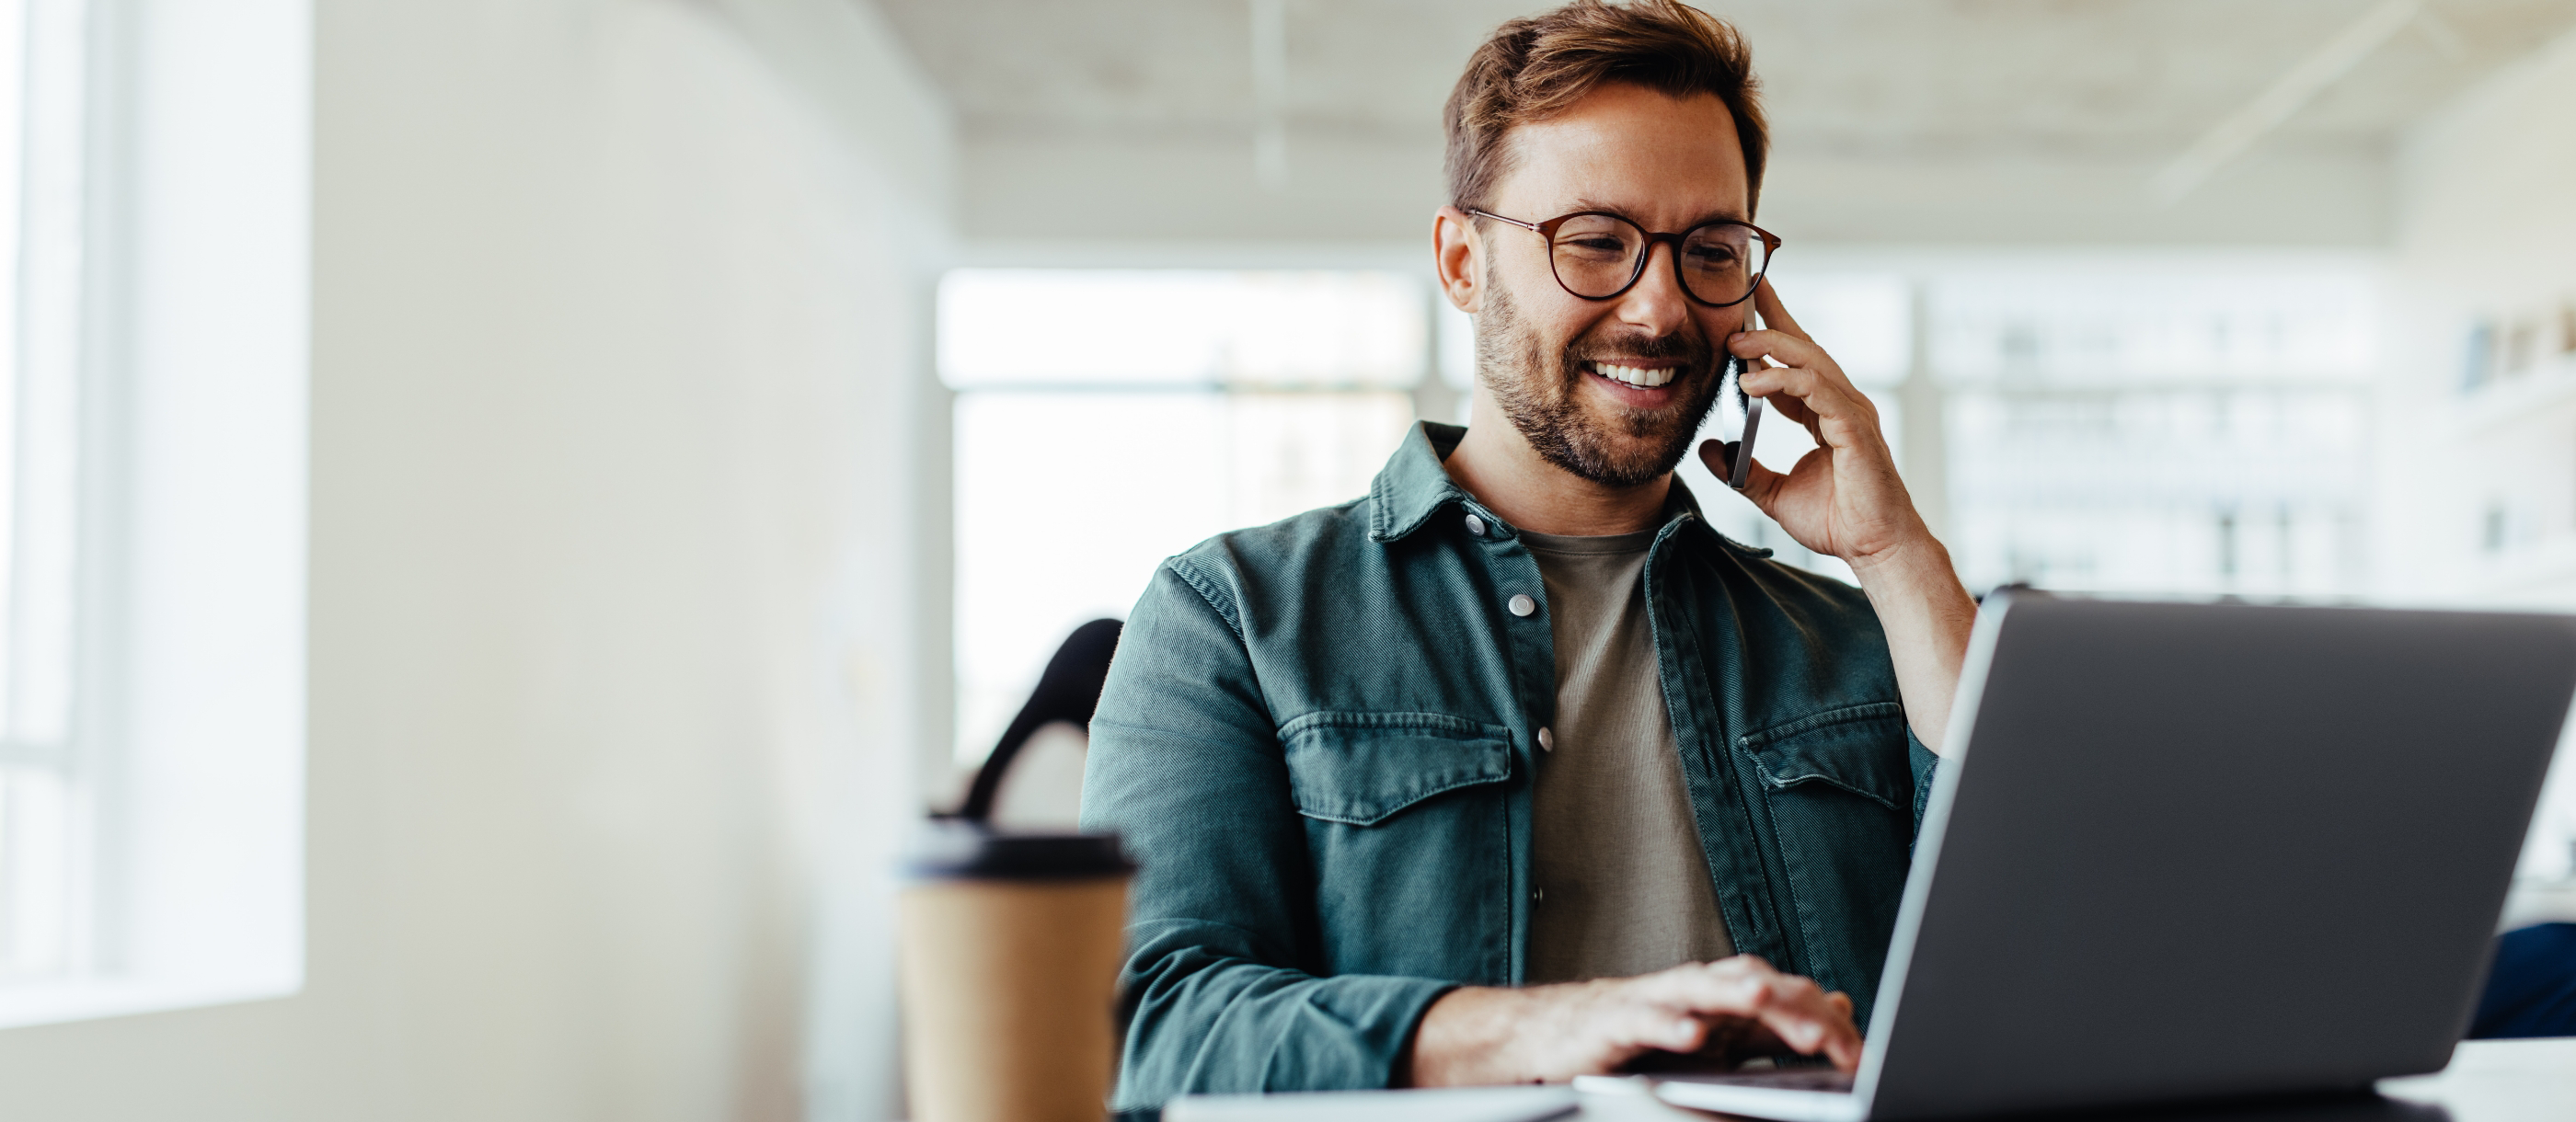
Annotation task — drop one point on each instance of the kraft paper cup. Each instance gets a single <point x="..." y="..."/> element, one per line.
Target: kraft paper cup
<point x="1010" y="948"/>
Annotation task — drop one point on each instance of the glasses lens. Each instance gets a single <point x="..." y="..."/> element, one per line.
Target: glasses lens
<point x="1596" y="254"/>
<point x="1720" y="262"/>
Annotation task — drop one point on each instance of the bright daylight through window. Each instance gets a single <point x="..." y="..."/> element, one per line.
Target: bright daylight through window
<point x="153" y="332"/>
<point x="2154" y="430"/>
<point x="2084" y="423"/>
<point x="1107" y="420"/>
<point x="46" y="797"/>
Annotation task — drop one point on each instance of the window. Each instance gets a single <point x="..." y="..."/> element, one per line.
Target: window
<point x="2105" y="425"/>
<point x="46" y="798"/>
<point x="153" y="326"/>
<point x="1106" y="420"/>
<point x="2167" y="431"/>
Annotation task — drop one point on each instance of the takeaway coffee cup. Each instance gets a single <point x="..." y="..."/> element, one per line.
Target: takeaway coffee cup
<point x="1010" y="951"/>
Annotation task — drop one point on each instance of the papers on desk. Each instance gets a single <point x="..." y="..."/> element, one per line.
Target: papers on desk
<point x="2488" y="1081"/>
<point x="1467" y="1104"/>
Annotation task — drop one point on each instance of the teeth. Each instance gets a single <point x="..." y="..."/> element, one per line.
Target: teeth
<point x="1635" y="375"/>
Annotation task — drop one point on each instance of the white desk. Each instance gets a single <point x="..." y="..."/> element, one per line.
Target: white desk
<point x="2488" y="1081"/>
<point x="2500" y="1081"/>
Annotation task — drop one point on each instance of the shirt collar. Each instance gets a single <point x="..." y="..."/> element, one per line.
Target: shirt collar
<point x="1413" y="486"/>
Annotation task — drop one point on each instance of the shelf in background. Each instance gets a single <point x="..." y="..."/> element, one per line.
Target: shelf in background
<point x="2515" y="397"/>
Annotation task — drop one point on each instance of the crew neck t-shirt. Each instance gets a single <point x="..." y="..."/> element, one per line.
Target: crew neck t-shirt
<point x="1622" y="886"/>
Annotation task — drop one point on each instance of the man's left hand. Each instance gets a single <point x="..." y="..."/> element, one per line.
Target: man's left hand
<point x="1844" y="498"/>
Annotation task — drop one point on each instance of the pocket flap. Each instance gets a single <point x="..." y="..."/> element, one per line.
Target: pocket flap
<point x="1847" y="748"/>
<point x="1361" y="768"/>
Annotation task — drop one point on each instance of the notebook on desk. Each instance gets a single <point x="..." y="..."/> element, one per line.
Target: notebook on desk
<point x="2198" y="851"/>
<point x="1464" y="1104"/>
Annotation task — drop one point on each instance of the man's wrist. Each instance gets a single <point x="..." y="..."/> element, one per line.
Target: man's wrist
<point x="1909" y="559"/>
<point x="1912" y="582"/>
<point x="1927" y="616"/>
<point x="1404" y="1071"/>
<point x="1460" y="1038"/>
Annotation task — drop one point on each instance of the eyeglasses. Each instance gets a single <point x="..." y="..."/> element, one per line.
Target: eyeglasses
<point x="1598" y="255"/>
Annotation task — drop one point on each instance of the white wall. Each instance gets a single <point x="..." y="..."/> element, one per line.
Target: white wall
<point x="2487" y="229"/>
<point x="616" y="362"/>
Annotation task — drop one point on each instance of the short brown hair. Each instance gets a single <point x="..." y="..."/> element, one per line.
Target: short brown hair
<point x="1536" y="67"/>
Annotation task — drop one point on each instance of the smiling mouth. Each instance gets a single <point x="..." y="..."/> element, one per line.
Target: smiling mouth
<point x="1642" y="377"/>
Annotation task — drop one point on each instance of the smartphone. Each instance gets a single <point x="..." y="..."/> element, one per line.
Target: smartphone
<point x="1741" y="471"/>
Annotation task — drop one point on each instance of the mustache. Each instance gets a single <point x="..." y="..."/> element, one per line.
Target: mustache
<point x="1694" y="352"/>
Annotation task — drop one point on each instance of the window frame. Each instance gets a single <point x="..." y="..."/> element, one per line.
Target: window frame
<point x="192" y="311"/>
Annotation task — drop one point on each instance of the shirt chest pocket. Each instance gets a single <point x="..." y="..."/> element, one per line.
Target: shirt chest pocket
<point x="1362" y="769"/>
<point x="1407" y="831"/>
<point x="1840" y="793"/>
<point x="1858" y="751"/>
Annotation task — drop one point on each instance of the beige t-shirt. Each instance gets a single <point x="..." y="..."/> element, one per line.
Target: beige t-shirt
<point x="1622" y="885"/>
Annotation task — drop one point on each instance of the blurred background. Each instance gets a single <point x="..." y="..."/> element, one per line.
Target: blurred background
<point x="510" y="508"/>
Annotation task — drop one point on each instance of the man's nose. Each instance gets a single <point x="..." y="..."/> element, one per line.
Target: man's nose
<point x="1656" y="302"/>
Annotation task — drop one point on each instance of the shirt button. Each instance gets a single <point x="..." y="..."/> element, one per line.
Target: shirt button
<point x="1522" y="605"/>
<point x="1475" y="525"/>
<point x="1546" y="740"/>
<point x="1538" y="896"/>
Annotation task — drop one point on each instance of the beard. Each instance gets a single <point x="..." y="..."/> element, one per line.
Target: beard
<point x="1537" y="389"/>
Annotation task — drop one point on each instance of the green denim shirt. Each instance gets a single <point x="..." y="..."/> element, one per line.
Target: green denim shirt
<point x="1318" y="737"/>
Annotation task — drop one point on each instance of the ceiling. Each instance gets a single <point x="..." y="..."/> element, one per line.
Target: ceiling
<point x="1892" y="120"/>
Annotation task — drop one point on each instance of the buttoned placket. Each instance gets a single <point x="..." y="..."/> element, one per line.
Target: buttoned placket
<point x="1755" y="911"/>
<point x="1530" y="643"/>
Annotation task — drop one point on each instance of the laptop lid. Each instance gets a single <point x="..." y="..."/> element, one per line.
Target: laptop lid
<point x="2200" y="850"/>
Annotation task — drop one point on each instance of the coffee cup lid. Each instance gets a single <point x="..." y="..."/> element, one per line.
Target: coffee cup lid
<point x="960" y="851"/>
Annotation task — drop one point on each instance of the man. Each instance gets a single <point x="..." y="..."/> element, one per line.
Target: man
<point x="1514" y="770"/>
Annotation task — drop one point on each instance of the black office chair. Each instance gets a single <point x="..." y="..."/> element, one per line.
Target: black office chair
<point x="1068" y="691"/>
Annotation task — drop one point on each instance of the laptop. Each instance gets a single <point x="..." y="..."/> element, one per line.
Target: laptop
<point x="2183" y="852"/>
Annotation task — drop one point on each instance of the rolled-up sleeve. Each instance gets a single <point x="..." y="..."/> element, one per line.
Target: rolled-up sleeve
<point x="1186" y="765"/>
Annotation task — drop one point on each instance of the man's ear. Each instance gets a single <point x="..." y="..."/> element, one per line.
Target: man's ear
<point x="1457" y="257"/>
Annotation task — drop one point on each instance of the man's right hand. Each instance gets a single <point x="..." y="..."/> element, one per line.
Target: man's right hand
<point x="1727" y="1011"/>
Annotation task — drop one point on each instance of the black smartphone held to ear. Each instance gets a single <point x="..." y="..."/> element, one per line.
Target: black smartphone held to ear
<point x="1741" y="471"/>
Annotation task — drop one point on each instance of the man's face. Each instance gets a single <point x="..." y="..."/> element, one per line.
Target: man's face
<point x="1569" y="373"/>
